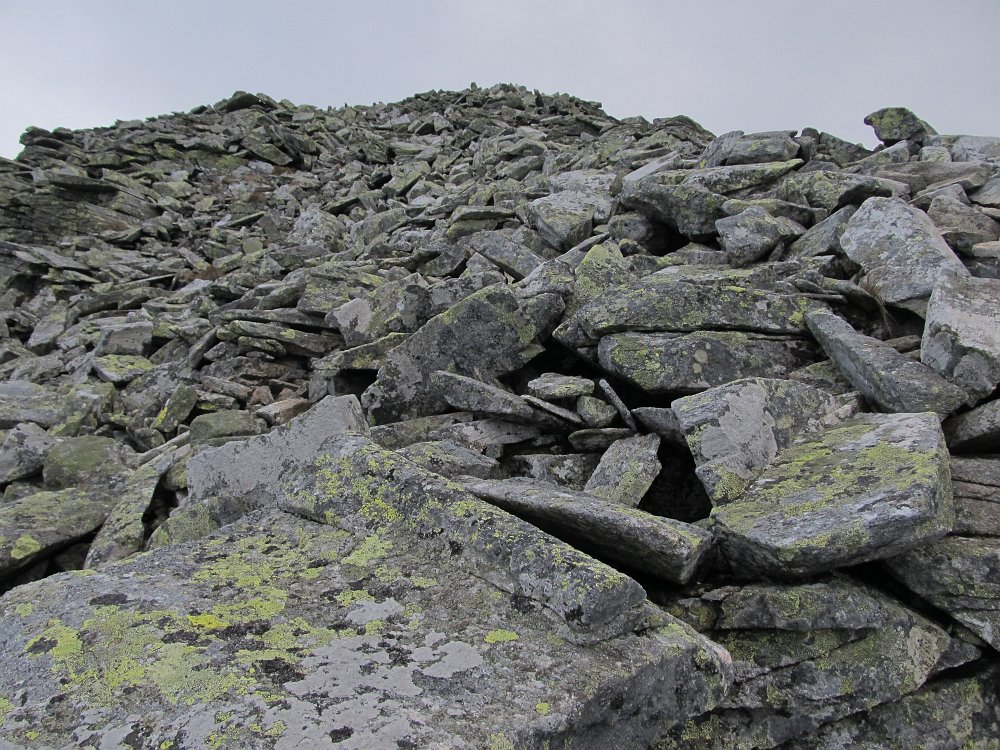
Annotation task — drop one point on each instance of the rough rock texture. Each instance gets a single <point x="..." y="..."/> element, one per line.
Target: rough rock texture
<point x="486" y="420"/>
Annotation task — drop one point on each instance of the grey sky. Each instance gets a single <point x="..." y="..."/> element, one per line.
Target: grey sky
<point x="740" y="64"/>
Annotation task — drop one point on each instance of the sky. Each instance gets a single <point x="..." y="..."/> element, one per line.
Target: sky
<point x="751" y="65"/>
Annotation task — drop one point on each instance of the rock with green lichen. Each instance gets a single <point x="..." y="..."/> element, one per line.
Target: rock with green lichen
<point x="227" y="423"/>
<point x="663" y="547"/>
<point x="735" y="431"/>
<point x="23" y="451"/>
<point x="552" y="385"/>
<point x="469" y="394"/>
<point x="832" y="189"/>
<point x="900" y="250"/>
<point x="566" y="218"/>
<point x="959" y="575"/>
<point x="119" y="369"/>
<point x="869" y="488"/>
<point x="400" y="306"/>
<point x="595" y="412"/>
<point x="627" y="470"/>
<point x="891" y="381"/>
<point x="89" y="461"/>
<point x="571" y="470"/>
<point x="753" y="233"/>
<point x="962" y="333"/>
<point x="450" y="459"/>
<point x="892" y="124"/>
<point x="670" y="363"/>
<point x="489" y="333"/>
<point x="802" y="660"/>
<point x="691" y="210"/>
<point x="325" y="634"/>
<point x="67" y="411"/>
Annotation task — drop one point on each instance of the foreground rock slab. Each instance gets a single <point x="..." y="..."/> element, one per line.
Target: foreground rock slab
<point x="869" y="488"/>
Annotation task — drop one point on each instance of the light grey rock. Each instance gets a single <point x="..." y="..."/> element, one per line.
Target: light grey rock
<point x="400" y="306"/>
<point x="352" y="665"/>
<point x="962" y="333"/>
<point x="566" y="218"/>
<point x="571" y="470"/>
<point x="976" y="486"/>
<point x="662" y="421"/>
<point x="691" y="210"/>
<point x="598" y="438"/>
<point x="823" y="237"/>
<point x="960" y="225"/>
<point x="893" y="382"/>
<point x="735" y="431"/>
<point x="88" y="461"/>
<point x="867" y="489"/>
<point x="900" y="250"/>
<point x="132" y="337"/>
<point x="831" y="190"/>
<point x="552" y="385"/>
<point x="670" y="363"/>
<point x="21" y="401"/>
<point x="23" y="451"/>
<point x="486" y="434"/>
<point x="975" y="431"/>
<point x="594" y="412"/>
<point x="670" y="549"/>
<point x="626" y="470"/>
<point x="511" y="256"/>
<point x="227" y="423"/>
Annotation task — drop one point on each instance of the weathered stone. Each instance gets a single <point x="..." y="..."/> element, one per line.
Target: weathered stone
<point x="832" y="190"/>
<point x="512" y="257"/>
<point x="228" y="423"/>
<point x="469" y="394"/>
<point x="735" y="431"/>
<point x="23" y="452"/>
<point x="690" y="209"/>
<point x="566" y="218"/>
<point x="892" y="381"/>
<point x="976" y="487"/>
<point x="823" y="237"/>
<point x="974" y="431"/>
<point x="870" y="488"/>
<point x="660" y="546"/>
<point x="598" y="438"/>
<point x="662" y="363"/>
<point x="961" y="226"/>
<point x="132" y="337"/>
<point x="21" y="401"/>
<point x="752" y="234"/>
<point x="86" y="461"/>
<point x="395" y="307"/>
<point x="571" y="470"/>
<point x="552" y="385"/>
<point x="487" y="334"/>
<point x="594" y="412"/>
<point x="900" y="250"/>
<point x="892" y="124"/>
<point x="627" y="470"/>
<point x="962" y="333"/>
<point x="450" y="459"/>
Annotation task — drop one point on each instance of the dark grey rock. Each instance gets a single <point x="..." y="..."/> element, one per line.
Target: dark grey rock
<point x="974" y="431"/>
<point x="893" y="124"/>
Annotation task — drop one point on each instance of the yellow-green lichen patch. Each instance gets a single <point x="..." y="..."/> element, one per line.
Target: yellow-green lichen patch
<point x="25" y="609"/>
<point x="5" y="708"/>
<point x="500" y="741"/>
<point x="25" y="546"/>
<point x="542" y="709"/>
<point x="500" y="636"/>
<point x="371" y="549"/>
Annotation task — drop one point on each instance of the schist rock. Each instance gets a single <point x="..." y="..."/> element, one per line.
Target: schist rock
<point x="484" y="419"/>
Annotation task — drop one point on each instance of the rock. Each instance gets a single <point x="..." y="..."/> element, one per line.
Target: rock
<point x="892" y="124"/>
<point x="395" y="307"/>
<point x="86" y="461"/>
<point x="754" y="233"/>
<point x="469" y="394"/>
<point x="282" y="412"/>
<point x="962" y="333"/>
<point x="571" y="470"/>
<point x="824" y="236"/>
<point x="130" y="337"/>
<point x="510" y="256"/>
<point x="833" y="190"/>
<point x="594" y="412"/>
<point x="664" y="363"/>
<point x="977" y="430"/>
<point x="23" y="452"/>
<point x="552" y="385"/>
<point x="598" y="438"/>
<point x="900" y="250"/>
<point x="976" y="486"/>
<point x="959" y="575"/>
<point x="867" y="489"/>
<point x="961" y="226"/>
<point x="346" y="644"/>
<point x="228" y="423"/>
<point x="450" y="459"/>
<point x="566" y="218"/>
<point x="689" y="209"/>
<point x="735" y="431"/>
<point x="501" y="336"/>
<point x="27" y="402"/>
<point x="121" y="368"/>
<point x="891" y="381"/>
<point x="626" y="470"/>
<point x="659" y="546"/>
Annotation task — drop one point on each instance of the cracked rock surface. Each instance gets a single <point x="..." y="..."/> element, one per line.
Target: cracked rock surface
<point x="486" y="420"/>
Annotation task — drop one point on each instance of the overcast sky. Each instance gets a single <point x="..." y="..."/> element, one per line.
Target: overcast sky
<point x="741" y="64"/>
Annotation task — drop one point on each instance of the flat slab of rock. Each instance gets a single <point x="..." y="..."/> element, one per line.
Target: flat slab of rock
<point x="962" y="333"/>
<point x="868" y="489"/>
<point x="892" y="381"/>
<point x="661" y="363"/>
<point x="469" y="394"/>
<point x="735" y="431"/>
<point x="21" y="401"/>
<point x="325" y="634"/>
<point x="552" y="385"/>
<point x="975" y="431"/>
<point x="663" y="547"/>
<point x="901" y="251"/>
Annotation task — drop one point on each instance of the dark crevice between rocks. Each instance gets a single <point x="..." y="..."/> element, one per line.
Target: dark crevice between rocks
<point x="67" y="557"/>
<point x="676" y="492"/>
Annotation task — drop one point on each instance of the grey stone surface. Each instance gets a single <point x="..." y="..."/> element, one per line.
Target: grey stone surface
<point x="962" y="333"/>
<point x="626" y="470"/>
<point x="869" y="488"/>
<point x="23" y="451"/>
<point x="893" y="382"/>
<point x="901" y="251"/>
<point x="977" y="430"/>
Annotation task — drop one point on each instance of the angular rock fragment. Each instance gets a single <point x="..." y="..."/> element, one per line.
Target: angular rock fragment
<point x="900" y="250"/>
<point x="962" y="333"/>
<point x="23" y="451"/>
<point x="892" y="124"/>
<point x="892" y="381"/>
<point x="469" y="394"/>
<point x="735" y="431"/>
<point x="974" y="431"/>
<point x="867" y="489"/>
<point x="552" y="385"/>
<point x="626" y="470"/>
<point x="752" y="234"/>
<point x="662" y="547"/>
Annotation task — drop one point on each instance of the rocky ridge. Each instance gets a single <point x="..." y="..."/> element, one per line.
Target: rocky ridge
<point x="486" y="420"/>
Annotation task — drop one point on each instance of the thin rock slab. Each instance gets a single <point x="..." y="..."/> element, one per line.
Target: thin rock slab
<point x="626" y="470"/>
<point x="960" y="575"/>
<point x="892" y="381"/>
<point x="870" y="488"/>
<point x="450" y="459"/>
<point x="469" y="394"/>
<point x="975" y="431"/>
<point x="962" y="333"/>
<point x="324" y="633"/>
<point x="552" y="385"/>
<point x="670" y="363"/>
<point x="663" y="547"/>
<point x="735" y="431"/>
<point x="901" y="251"/>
